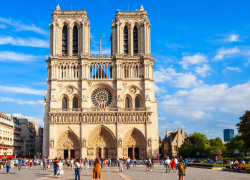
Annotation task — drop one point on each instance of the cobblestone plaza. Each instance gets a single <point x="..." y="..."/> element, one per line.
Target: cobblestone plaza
<point x="135" y="173"/>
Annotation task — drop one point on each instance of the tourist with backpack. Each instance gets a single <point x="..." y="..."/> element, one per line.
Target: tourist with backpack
<point x="181" y="167"/>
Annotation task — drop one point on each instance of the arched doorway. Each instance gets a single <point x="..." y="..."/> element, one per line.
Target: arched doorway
<point x="68" y="145"/>
<point x="101" y="143"/>
<point x="134" y="144"/>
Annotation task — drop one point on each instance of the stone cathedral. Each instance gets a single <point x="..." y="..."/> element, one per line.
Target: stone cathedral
<point x="100" y="106"/>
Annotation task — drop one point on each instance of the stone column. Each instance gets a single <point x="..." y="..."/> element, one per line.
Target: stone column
<point x="69" y="153"/>
<point x="130" y="41"/>
<point x="70" y="41"/>
<point x="82" y="38"/>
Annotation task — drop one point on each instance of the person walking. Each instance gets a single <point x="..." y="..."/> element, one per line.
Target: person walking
<point x="60" y="169"/>
<point x="55" y="166"/>
<point x="181" y="167"/>
<point x="97" y="170"/>
<point x="77" y="169"/>
<point x="8" y="166"/>
<point x="19" y="163"/>
<point x="167" y="162"/>
<point x="71" y="163"/>
<point x="128" y="163"/>
<point x="44" y="164"/>
<point x="173" y="165"/>
<point x="31" y="163"/>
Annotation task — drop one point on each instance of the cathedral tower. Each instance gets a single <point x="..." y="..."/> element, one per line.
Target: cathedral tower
<point x="100" y="106"/>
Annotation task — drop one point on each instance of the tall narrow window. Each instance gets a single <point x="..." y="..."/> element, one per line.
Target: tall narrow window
<point x="64" y="103"/>
<point x="75" y="102"/>
<point x="137" y="102"/>
<point x="125" y="40"/>
<point x="75" y="41"/>
<point x="127" y="102"/>
<point x="64" y="40"/>
<point x="135" y="35"/>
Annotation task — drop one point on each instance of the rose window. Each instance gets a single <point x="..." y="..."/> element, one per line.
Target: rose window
<point x="101" y="97"/>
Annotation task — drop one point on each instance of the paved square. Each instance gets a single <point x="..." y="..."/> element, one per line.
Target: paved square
<point x="135" y="173"/>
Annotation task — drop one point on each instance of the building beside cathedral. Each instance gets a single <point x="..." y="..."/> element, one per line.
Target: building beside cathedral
<point x="100" y="106"/>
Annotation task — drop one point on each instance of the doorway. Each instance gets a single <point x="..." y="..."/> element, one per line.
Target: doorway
<point x="105" y="153"/>
<point x="137" y="153"/>
<point x="66" y="154"/>
<point x="130" y="152"/>
<point x="72" y="154"/>
<point x="98" y="153"/>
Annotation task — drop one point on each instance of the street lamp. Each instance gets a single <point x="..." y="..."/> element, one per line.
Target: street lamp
<point x="215" y="153"/>
<point x="236" y="151"/>
<point x="198" y="153"/>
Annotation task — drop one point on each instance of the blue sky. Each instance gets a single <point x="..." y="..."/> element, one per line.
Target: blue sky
<point x="201" y="50"/>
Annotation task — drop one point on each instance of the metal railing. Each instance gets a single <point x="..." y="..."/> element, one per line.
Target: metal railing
<point x="98" y="109"/>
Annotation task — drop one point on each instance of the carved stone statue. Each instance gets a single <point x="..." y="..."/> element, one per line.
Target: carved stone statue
<point x="51" y="143"/>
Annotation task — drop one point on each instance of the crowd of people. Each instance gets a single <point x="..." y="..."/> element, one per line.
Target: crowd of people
<point x="79" y="164"/>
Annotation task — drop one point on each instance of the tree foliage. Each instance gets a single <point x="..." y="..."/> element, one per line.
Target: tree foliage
<point x="244" y="130"/>
<point x="198" y="142"/>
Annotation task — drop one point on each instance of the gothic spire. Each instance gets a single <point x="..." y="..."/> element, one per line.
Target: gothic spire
<point x="141" y="8"/>
<point x="100" y="45"/>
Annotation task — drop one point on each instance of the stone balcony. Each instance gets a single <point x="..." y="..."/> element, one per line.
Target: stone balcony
<point x="101" y="110"/>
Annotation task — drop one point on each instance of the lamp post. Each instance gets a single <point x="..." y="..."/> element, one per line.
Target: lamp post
<point x="216" y="153"/>
<point x="198" y="153"/>
<point x="236" y="151"/>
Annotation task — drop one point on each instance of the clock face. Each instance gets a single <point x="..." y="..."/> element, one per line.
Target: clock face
<point x="101" y="97"/>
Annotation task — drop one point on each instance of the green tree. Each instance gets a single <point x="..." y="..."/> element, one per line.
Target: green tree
<point x="244" y="130"/>
<point x="234" y="143"/>
<point x="216" y="142"/>
<point x="196" y="142"/>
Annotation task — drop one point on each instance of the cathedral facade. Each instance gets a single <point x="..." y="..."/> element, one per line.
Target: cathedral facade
<point x="100" y="106"/>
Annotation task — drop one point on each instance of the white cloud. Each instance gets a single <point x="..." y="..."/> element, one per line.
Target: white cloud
<point x="159" y="90"/>
<point x="30" y="118"/>
<point x="161" y="118"/>
<point x="247" y="63"/>
<point x="24" y="90"/>
<point x="195" y="103"/>
<point x="221" y="53"/>
<point x="182" y="80"/>
<point x="33" y="42"/>
<point x="203" y="70"/>
<point x="233" y="38"/>
<point x="20" y="26"/>
<point x="190" y="60"/>
<point x="3" y="26"/>
<point x="233" y="69"/>
<point x="13" y="56"/>
<point x="172" y="125"/>
<point x="19" y="101"/>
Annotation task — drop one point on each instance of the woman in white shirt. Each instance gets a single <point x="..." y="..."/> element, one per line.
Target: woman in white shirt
<point x="60" y="169"/>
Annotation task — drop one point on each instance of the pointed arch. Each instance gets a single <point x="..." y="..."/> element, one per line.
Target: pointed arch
<point x="101" y="132"/>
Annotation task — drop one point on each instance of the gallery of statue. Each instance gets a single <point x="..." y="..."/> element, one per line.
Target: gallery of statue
<point x="100" y="106"/>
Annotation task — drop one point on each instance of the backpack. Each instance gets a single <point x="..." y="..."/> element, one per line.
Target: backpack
<point x="181" y="167"/>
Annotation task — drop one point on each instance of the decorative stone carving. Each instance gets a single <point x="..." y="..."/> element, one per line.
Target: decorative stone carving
<point x="149" y="143"/>
<point x="60" y="86"/>
<point x="70" y="90"/>
<point x="132" y="90"/>
<point x="84" y="143"/>
<point x="53" y="97"/>
<point x="119" y="143"/>
<point x="125" y="152"/>
<point x="90" y="151"/>
<point x="147" y="98"/>
<point x="124" y="85"/>
<point x="101" y="97"/>
<point x="90" y="84"/>
<point x="119" y="98"/>
<point x="51" y="143"/>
